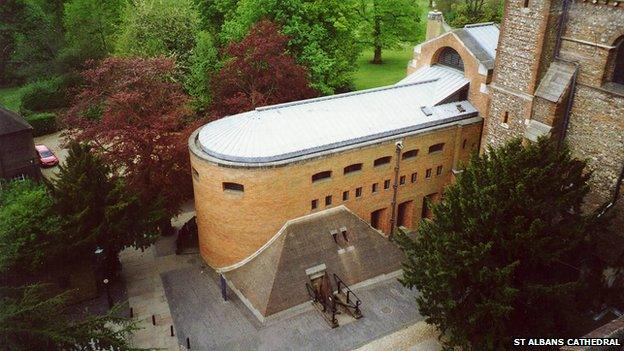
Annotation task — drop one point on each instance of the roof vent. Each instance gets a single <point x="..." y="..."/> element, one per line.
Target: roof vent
<point x="460" y="108"/>
<point x="426" y="110"/>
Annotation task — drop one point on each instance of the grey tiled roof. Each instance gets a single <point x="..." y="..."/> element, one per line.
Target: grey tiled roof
<point x="11" y="122"/>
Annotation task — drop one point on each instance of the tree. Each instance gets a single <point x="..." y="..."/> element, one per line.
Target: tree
<point x="29" y="227"/>
<point x="509" y="251"/>
<point x="323" y="35"/>
<point x="33" y="37"/>
<point x="388" y="23"/>
<point x="30" y="320"/>
<point x="90" y="29"/>
<point x="459" y="14"/>
<point x="134" y="114"/>
<point x="213" y="14"/>
<point x="259" y="73"/>
<point x="98" y="209"/>
<point x="153" y="28"/>
<point x="204" y="62"/>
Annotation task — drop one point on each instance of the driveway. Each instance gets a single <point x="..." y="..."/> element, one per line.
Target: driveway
<point x="53" y="142"/>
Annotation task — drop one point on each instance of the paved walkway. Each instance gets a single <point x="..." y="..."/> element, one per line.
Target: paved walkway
<point x="210" y="323"/>
<point x="142" y="272"/>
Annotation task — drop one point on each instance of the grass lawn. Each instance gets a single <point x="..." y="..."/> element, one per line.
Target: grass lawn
<point x="389" y="72"/>
<point x="394" y="63"/>
<point x="10" y="98"/>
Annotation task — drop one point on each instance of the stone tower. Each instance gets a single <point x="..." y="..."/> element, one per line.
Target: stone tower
<point x="558" y="73"/>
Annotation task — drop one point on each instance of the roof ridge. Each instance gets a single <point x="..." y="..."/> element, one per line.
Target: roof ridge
<point x="482" y="24"/>
<point x="343" y="95"/>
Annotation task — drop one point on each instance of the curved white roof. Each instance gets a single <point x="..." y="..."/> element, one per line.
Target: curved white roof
<point x="307" y="127"/>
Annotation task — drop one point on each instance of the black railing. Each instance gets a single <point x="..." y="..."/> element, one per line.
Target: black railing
<point x="353" y="301"/>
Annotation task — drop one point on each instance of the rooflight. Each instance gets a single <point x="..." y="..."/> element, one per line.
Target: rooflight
<point x="426" y="110"/>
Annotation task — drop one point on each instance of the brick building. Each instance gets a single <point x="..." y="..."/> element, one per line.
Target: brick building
<point x="381" y="155"/>
<point x="18" y="157"/>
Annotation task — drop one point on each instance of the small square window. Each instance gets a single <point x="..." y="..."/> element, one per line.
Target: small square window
<point x="345" y="195"/>
<point x="402" y="180"/>
<point x="314" y="204"/>
<point x="414" y="177"/>
<point x="328" y="200"/>
<point x="387" y="184"/>
<point x="439" y="170"/>
<point x="428" y="173"/>
<point x="358" y="192"/>
<point x="375" y="187"/>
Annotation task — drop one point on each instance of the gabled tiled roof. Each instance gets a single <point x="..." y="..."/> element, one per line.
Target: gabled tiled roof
<point x="11" y="122"/>
<point x="310" y="127"/>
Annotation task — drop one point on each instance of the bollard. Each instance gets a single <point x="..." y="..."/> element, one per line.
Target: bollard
<point x="188" y="344"/>
<point x="153" y="320"/>
<point x="171" y="328"/>
<point x="131" y="312"/>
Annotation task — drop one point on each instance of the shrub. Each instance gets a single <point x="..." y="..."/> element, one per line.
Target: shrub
<point x="44" y="95"/>
<point x="43" y="123"/>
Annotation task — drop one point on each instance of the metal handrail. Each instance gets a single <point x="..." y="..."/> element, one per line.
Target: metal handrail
<point x="349" y="292"/>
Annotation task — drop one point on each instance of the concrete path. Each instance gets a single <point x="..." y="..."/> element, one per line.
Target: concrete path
<point x="142" y="273"/>
<point x="418" y="337"/>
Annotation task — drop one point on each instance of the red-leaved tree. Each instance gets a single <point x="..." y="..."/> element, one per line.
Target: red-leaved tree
<point x="134" y="113"/>
<point x="259" y="72"/>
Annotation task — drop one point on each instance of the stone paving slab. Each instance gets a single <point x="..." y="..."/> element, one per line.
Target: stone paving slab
<point x="210" y="323"/>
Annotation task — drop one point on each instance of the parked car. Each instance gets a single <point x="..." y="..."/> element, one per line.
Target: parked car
<point x="46" y="156"/>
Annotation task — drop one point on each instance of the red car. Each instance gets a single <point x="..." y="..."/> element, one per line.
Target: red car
<point x="46" y="157"/>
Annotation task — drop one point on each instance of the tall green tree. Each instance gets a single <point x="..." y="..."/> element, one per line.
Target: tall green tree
<point x="29" y="227"/>
<point x="90" y="29"/>
<point x="509" y="251"/>
<point x="213" y="14"/>
<point x="159" y="27"/>
<point x="98" y="209"/>
<point x="323" y="35"/>
<point x="388" y="23"/>
<point x="34" y="36"/>
<point x="204" y="62"/>
<point x="32" y="320"/>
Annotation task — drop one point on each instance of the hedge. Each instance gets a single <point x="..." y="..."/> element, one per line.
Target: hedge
<point x="44" y="95"/>
<point x="43" y="123"/>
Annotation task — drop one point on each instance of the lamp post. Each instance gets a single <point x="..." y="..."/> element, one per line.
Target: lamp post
<point x="108" y="295"/>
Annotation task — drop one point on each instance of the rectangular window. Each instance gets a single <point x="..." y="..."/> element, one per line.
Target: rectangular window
<point x="428" y="173"/>
<point x="374" y="187"/>
<point x="464" y="144"/>
<point x="414" y="177"/>
<point x="439" y="170"/>
<point x="233" y="187"/>
<point x="402" y="180"/>
<point x="345" y="195"/>
<point x="387" y="184"/>
<point x="526" y="3"/>
<point x="506" y="117"/>
<point x="358" y="192"/>
<point x="314" y="204"/>
<point x="328" y="200"/>
<point x="436" y="148"/>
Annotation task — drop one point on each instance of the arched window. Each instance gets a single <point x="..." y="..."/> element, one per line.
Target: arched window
<point x="436" y="148"/>
<point x="233" y="187"/>
<point x="409" y="154"/>
<point x="321" y="175"/>
<point x="449" y="57"/>
<point x="382" y="161"/>
<point x="353" y="168"/>
<point x="618" y="62"/>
